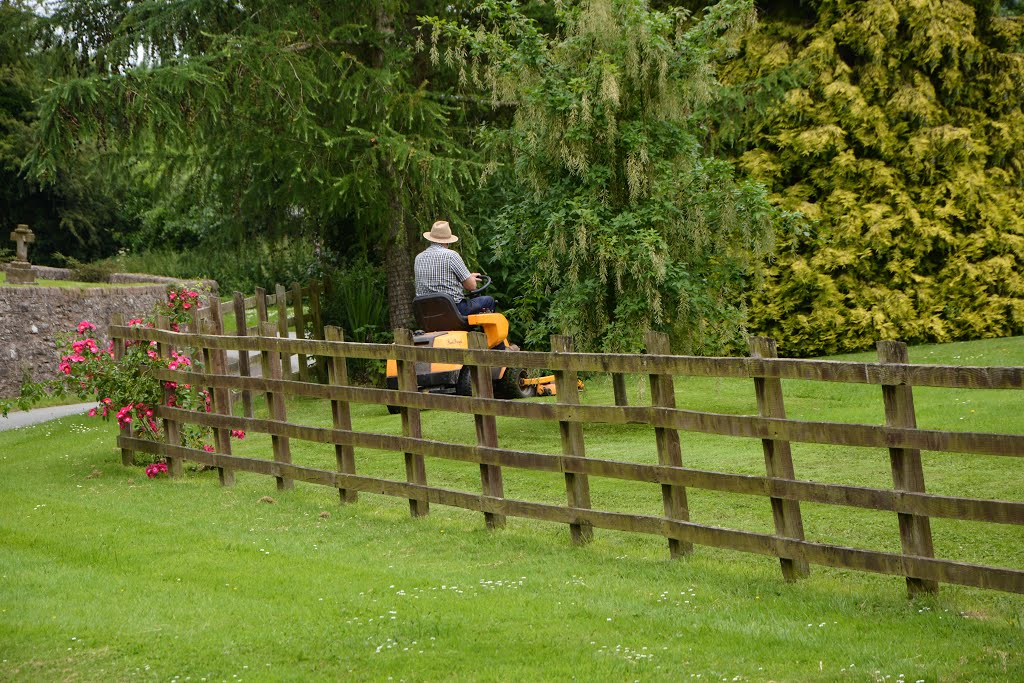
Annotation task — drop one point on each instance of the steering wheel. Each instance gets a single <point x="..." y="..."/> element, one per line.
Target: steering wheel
<point x="486" y="279"/>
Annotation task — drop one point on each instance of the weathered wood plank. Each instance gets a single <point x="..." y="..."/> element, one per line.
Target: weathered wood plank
<point x="491" y="481"/>
<point x="283" y="325"/>
<point x="341" y="415"/>
<point x="778" y="458"/>
<point x="1011" y="580"/>
<point x="275" y="405"/>
<point x="220" y="397"/>
<point x="244" y="370"/>
<point x="850" y="372"/>
<point x="117" y="324"/>
<point x="577" y="487"/>
<point x="1006" y="512"/>
<point x="743" y="426"/>
<point x="663" y="394"/>
<point x="907" y="471"/>
<point x="261" y="317"/>
<point x="300" y="329"/>
<point x="415" y="468"/>
<point x="619" y="388"/>
<point x="261" y="304"/>
<point x="172" y="432"/>
<point x="317" y="322"/>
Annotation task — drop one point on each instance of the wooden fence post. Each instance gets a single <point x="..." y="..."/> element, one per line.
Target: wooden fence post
<point x="275" y="402"/>
<point x="778" y="459"/>
<point x="118" y="319"/>
<point x="317" y="321"/>
<point x="663" y="395"/>
<point x="907" y="471"/>
<point x="300" y="329"/>
<point x="415" y="469"/>
<point x="619" y="389"/>
<point x="172" y="432"/>
<point x="338" y="375"/>
<point x="242" y="330"/>
<point x="261" y="307"/>
<point x="486" y="432"/>
<point x="261" y="317"/>
<point x="281" y="299"/>
<point x="220" y="399"/>
<point x="194" y="316"/>
<point x="577" y="486"/>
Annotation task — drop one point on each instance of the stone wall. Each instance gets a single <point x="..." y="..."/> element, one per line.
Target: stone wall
<point x="31" y="318"/>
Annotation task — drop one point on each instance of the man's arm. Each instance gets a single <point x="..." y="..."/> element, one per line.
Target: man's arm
<point x="462" y="273"/>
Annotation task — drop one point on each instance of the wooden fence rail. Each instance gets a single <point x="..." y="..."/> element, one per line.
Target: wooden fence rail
<point x="290" y="306"/>
<point x="908" y="498"/>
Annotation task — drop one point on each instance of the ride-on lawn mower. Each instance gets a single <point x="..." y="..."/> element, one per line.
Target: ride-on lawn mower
<point x="442" y="326"/>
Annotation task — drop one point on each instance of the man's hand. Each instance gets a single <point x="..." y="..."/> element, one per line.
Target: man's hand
<point x="471" y="282"/>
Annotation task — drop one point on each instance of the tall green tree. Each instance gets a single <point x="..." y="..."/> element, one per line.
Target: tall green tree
<point x="291" y="116"/>
<point x="77" y="214"/>
<point x="896" y="127"/>
<point x="617" y="219"/>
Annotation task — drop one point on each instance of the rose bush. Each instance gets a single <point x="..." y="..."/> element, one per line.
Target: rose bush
<point x="125" y="387"/>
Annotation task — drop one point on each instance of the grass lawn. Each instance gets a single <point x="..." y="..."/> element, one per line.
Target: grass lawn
<point x="71" y="284"/>
<point x="251" y="316"/>
<point x="106" y="575"/>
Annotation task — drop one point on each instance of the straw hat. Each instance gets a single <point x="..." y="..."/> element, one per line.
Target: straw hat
<point x="441" y="233"/>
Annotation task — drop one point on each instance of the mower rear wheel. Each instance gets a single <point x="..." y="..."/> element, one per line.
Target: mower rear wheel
<point x="464" y="385"/>
<point x="512" y="384"/>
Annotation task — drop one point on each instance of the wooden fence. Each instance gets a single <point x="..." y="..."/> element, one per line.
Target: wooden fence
<point x="900" y="436"/>
<point x="293" y="307"/>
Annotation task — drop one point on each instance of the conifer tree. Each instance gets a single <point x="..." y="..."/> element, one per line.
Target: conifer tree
<point x="293" y="116"/>
<point x="77" y="214"/>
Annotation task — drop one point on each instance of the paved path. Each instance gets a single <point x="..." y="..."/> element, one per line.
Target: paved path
<point x="25" y="418"/>
<point x="255" y="366"/>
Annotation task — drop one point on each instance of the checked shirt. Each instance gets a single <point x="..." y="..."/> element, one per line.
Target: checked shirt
<point x="440" y="270"/>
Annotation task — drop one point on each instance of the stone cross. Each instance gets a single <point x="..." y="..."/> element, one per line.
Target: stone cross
<point x="23" y="237"/>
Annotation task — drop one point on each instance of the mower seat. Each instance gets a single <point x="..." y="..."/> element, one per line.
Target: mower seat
<point x="437" y="313"/>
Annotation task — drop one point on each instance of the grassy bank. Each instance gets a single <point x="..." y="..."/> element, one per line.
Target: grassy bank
<point x="70" y="284"/>
<point x="107" y="575"/>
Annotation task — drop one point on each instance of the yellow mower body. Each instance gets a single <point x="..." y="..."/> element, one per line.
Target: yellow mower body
<point x="443" y="327"/>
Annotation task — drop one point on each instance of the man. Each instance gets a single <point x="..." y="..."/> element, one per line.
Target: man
<point x="441" y="270"/>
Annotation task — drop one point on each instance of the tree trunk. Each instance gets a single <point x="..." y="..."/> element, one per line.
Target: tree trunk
<point x="397" y="259"/>
<point x="398" y="263"/>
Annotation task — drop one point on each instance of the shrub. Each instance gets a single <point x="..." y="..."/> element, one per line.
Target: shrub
<point x="358" y="305"/>
<point x="126" y="387"/>
<point x="96" y="271"/>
